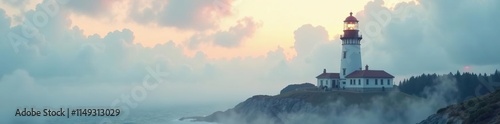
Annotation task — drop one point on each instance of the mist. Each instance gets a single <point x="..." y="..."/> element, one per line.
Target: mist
<point x="380" y="110"/>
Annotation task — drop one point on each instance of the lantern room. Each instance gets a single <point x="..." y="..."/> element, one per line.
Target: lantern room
<point x="351" y="23"/>
<point x="351" y="28"/>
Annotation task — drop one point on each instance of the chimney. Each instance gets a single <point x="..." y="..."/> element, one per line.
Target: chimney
<point x="324" y="70"/>
<point x="366" y="67"/>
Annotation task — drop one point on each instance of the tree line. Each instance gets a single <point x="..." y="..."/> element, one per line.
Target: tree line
<point x="467" y="83"/>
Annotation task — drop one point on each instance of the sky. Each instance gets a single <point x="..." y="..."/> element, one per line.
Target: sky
<point x="230" y="48"/>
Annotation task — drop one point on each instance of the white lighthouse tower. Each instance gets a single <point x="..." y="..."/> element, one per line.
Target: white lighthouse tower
<point x="351" y="52"/>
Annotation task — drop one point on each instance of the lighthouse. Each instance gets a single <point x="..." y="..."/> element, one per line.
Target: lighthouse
<point x="352" y="76"/>
<point x="351" y="52"/>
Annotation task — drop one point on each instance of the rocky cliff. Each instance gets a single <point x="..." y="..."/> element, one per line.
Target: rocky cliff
<point x="480" y="110"/>
<point x="310" y="106"/>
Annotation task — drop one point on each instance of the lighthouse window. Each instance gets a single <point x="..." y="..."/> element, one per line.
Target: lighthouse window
<point x="345" y="52"/>
<point x="343" y="71"/>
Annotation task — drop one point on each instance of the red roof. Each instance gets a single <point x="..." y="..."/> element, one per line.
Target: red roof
<point x="369" y="74"/>
<point x="351" y="19"/>
<point x="328" y="75"/>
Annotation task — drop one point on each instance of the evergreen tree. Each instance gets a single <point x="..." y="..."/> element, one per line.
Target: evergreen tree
<point x="466" y="83"/>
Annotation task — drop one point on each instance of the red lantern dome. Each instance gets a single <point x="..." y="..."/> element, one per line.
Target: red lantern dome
<point x="351" y="18"/>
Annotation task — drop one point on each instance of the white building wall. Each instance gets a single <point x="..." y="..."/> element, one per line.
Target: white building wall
<point x="377" y="82"/>
<point x="362" y="83"/>
<point x="329" y="83"/>
<point x="320" y="83"/>
<point x="354" y="83"/>
<point x="323" y="82"/>
<point x="358" y="83"/>
<point x="341" y="83"/>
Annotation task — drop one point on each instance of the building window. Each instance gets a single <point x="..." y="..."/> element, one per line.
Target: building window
<point x="381" y="81"/>
<point x="343" y="82"/>
<point x="354" y="81"/>
<point x="376" y="81"/>
<point x="359" y="81"/>
<point x="388" y="82"/>
<point x="367" y="82"/>
<point x="343" y="71"/>
<point x="344" y="53"/>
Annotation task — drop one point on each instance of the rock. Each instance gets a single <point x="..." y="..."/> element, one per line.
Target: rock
<point x="296" y="87"/>
<point x="438" y="119"/>
<point x="285" y="108"/>
<point x="480" y="110"/>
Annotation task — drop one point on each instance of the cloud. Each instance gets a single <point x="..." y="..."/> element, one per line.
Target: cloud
<point x="315" y="51"/>
<point x="182" y="14"/>
<point x="90" y="7"/>
<point x="10" y="86"/>
<point x="474" y="41"/>
<point x="233" y="37"/>
<point x="196" y="40"/>
<point x="427" y="36"/>
<point x="307" y="36"/>
<point x="115" y="58"/>
<point x="16" y="3"/>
